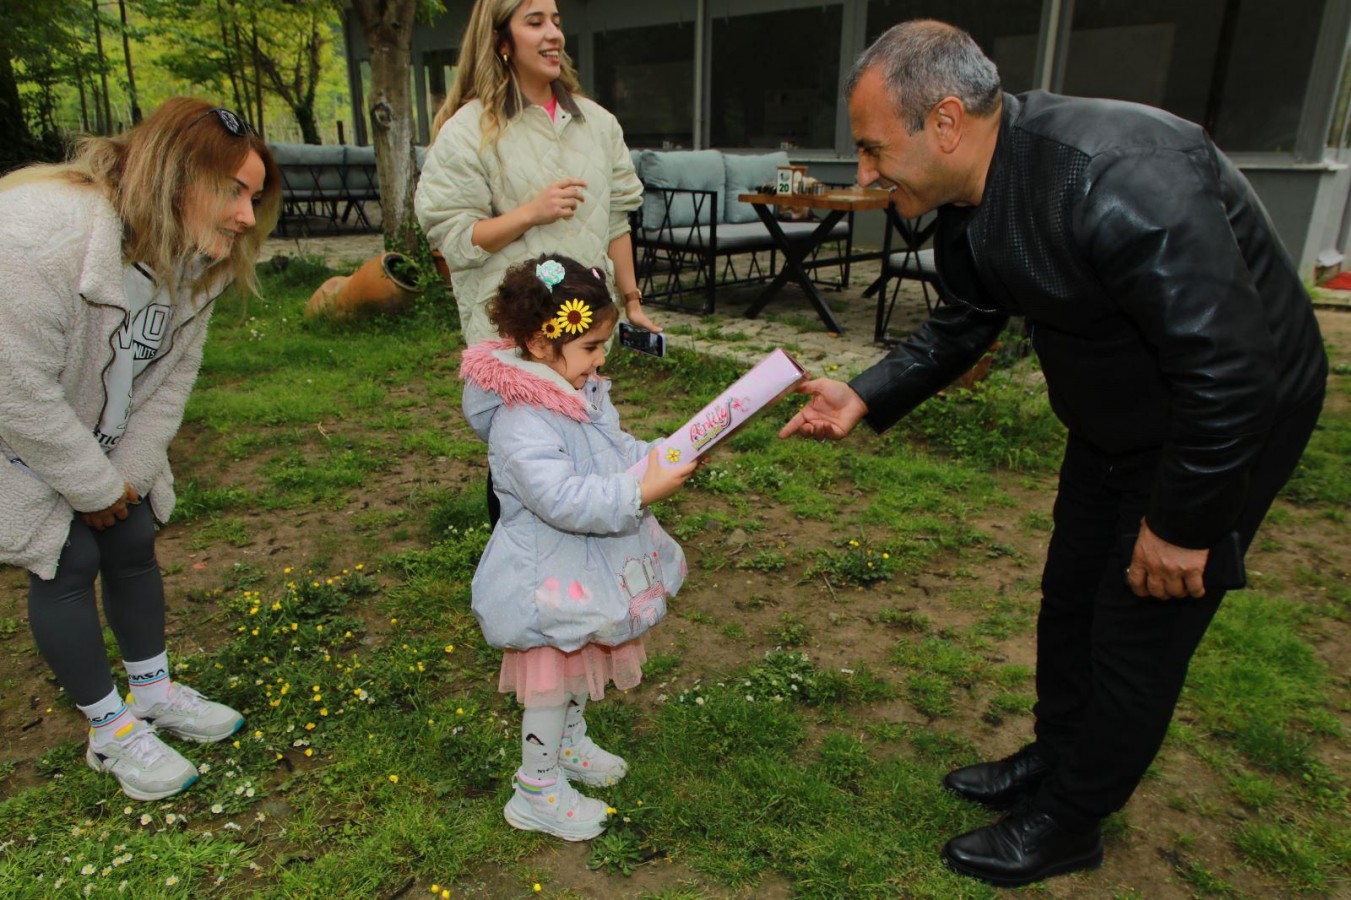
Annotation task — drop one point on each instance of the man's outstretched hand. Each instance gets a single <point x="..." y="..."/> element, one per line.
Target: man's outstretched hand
<point x="831" y="413"/>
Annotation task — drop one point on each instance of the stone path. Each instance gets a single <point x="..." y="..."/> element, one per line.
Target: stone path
<point x="788" y="322"/>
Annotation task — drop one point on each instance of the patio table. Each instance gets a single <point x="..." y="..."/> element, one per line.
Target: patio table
<point x="835" y="203"/>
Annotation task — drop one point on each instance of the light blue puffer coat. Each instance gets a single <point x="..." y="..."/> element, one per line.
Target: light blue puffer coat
<point x="574" y="558"/>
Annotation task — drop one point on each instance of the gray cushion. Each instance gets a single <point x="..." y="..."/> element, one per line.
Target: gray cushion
<point x="310" y="167"/>
<point x="700" y="170"/>
<point x="741" y="237"/>
<point x="745" y="174"/>
<point x="360" y="156"/>
<point x="920" y="263"/>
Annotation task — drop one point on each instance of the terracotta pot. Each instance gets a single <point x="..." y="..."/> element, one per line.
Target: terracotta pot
<point x="980" y="371"/>
<point x="372" y="289"/>
<point x="321" y="301"/>
<point x="442" y="267"/>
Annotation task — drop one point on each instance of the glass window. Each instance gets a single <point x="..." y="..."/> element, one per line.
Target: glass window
<point x="776" y="78"/>
<point x="1006" y="31"/>
<point x="645" y="76"/>
<point x="1211" y="61"/>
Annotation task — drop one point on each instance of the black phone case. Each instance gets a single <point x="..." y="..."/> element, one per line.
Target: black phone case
<point x="641" y="340"/>
<point x="1224" y="567"/>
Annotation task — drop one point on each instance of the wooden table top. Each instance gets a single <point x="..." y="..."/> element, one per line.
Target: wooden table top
<point x="848" y="199"/>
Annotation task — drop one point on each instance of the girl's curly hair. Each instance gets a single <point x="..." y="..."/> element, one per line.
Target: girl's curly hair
<point x="524" y="302"/>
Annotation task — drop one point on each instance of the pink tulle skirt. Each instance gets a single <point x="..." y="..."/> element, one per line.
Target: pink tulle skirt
<point x="545" y="676"/>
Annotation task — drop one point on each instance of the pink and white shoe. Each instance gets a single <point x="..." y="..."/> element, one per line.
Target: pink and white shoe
<point x="554" y="807"/>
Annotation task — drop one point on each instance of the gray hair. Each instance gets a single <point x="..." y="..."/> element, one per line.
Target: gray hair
<point x="922" y="61"/>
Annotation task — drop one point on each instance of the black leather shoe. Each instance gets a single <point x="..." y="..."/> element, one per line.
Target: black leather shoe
<point x="1023" y="847"/>
<point x="1002" y="783"/>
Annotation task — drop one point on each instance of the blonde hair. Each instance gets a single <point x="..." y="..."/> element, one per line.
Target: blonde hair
<point x="151" y="173"/>
<point x="482" y="74"/>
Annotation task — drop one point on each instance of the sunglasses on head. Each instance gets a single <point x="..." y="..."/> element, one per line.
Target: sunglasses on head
<point x="232" y="121"/>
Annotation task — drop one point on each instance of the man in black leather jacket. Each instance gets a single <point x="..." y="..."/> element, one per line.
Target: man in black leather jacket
<point x="1180" y="350"/>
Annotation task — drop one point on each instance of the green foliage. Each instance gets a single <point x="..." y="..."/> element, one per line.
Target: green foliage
<point x="198" y="500"/>
<point x="855" y="562"/>
<point x="1322" y="475"/>
<point x="1260" y="684"/>
<point x="1003" y="421"/>
<point x="790" y="632"/>
<point x="618" y="850"/>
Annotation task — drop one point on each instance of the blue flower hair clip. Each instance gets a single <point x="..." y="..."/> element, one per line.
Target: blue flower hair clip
<point x="550" y="272"/>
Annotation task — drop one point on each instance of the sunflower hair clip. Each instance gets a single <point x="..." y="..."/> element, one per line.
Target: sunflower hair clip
<point x="573" y="317"/>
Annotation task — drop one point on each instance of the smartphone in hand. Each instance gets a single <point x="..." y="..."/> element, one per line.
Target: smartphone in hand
<point x="650" y="342"/>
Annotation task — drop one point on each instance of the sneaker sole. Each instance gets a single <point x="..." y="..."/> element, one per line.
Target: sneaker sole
<point x="525" y="822"/>
<point x="132" y="792"/>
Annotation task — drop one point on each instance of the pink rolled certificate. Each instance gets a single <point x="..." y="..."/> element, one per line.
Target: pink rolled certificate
<point x="764" y="385"/>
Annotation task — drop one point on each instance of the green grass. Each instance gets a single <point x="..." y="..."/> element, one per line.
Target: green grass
<point x="377" y="752"/>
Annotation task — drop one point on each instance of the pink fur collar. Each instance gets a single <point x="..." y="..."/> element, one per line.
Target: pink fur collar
<point x="515" y="384"/>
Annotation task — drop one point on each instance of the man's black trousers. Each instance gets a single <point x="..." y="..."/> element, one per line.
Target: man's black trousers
<point x="1110" y="665"/>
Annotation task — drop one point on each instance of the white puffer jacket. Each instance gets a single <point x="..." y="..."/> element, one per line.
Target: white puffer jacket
<point x="61" y="302"/>
<point x="575" y="558"/>
<point x="464" y="181"/>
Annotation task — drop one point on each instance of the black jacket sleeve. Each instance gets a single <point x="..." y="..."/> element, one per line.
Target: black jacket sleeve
<point x="944" y="347"/>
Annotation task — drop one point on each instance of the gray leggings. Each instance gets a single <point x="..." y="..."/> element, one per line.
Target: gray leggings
<point x="65" y="619"/>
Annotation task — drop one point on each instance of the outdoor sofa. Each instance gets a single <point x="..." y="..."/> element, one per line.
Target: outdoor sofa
<point x="692" y="234"/>
<point x="328" y="183"/>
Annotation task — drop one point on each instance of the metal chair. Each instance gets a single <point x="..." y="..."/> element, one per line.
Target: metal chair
<point x="913" y="260"/>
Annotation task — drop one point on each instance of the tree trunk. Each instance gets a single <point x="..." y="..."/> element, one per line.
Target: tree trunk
<point x="126" y="55"/>
<point x="300" y="90"/>
<point x="257" y="75"/>
<point x="309" y="127"/>
<point x="388" y="25"/>
<point x="231" y="65"/>
<point x="15" y="140"/>
<point x="107" y="126"/>
<point x="248" y="110"/>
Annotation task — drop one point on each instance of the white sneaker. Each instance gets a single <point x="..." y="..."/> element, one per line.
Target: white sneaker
<point x="146" y="767"/>
<point x="556" y="809"/>
<point x="187" y="714"/>
<point x="585" y="762"/>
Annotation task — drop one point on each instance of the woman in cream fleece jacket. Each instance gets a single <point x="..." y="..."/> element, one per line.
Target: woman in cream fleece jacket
<point x="521" y="165"/>
<point x="109" y="267"/>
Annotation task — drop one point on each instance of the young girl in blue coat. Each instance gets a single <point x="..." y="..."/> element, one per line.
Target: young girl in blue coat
<point x="577" y="568"/>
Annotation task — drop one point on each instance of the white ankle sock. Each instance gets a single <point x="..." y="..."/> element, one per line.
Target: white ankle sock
<point x="109" y="719"/>
<point x="149" y="680"/>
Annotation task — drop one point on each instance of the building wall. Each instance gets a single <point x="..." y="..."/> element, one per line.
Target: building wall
<point x="742" y="74"/>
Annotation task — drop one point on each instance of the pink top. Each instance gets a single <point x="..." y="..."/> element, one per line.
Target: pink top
<point x="552" y="107"/>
